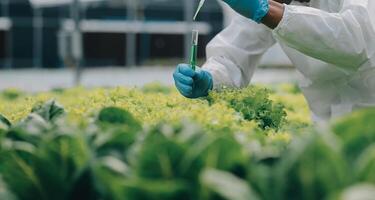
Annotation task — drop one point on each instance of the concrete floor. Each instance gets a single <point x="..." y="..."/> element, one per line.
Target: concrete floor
<point x="32" y="80"/>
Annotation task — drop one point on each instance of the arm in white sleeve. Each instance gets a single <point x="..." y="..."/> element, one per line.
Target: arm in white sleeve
<point x="345" y="38"/>
<point x="233" y="54"/>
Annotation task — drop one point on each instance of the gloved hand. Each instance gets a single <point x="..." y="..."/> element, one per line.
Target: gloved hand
<point x="253" y="9"/>
<point x="190" y="83"/>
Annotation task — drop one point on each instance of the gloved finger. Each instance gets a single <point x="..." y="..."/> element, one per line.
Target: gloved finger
<point x="185" y="90"/>
<point x="199" y="75"/>
<point x="183" y="79"/>
<point x="186" y="70"/>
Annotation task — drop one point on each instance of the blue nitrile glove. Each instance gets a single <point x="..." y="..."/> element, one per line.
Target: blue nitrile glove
<point x="190" y="83"/>
<point x="253" y="9"/>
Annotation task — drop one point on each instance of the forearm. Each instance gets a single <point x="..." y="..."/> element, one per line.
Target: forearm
<point x="284" y="1"/>
<point x="275" y="14"/>
<point x="289" y="1"/>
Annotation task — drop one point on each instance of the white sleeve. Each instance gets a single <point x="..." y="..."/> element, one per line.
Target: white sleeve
<point x="345" y="38"/>
<point x="233" y="54"/>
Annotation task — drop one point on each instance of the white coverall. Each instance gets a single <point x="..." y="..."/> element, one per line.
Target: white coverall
<point x="331" y="43"/>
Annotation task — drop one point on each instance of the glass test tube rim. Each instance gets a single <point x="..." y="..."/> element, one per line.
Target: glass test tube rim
<point x="194" y="49"/>
<point x="195" y="36"/>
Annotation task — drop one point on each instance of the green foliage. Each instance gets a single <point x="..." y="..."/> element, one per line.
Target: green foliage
<point x="112" y="162"/>
<point x="49" y="111"/>
<point x="227" y="185"/>
<point x="254" y="104"/>
<point x="136" y="146"/>
<point x="114" y="115"/>
<point x="181" y="153"/>
<point x="357" y="132"/>
<point x="312" y="168"/>
<point x="365" y="165"/>
<point x="40" y="160"/>
<point x="11" y="94"/>
<point x="358" y="191"/>
<point x="5" y="193"/>
<point x="156" y="88"/>
<point x="4" y="122"/>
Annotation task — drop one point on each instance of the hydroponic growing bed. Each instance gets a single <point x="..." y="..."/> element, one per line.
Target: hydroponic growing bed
<point x="151" y="143"/>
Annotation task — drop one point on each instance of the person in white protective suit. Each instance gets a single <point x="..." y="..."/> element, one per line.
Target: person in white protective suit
<point x="331" y="43"/>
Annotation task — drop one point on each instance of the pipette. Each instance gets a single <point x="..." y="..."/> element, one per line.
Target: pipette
<point x="194" y="49"/>
<point x="201" y="3"/>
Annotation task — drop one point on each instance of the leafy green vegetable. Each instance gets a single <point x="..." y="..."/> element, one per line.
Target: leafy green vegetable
<point x="357" y="132"/>
<point x="254" y="104"/>
<point x="165" y="147"/>
<point x="365" y="165"/>
<point x="5" y="193"/>
<point x="4" y="122"/>
<point x="156" y="88"/>
<point x="58" y="163"/>
<point x="11" y="94"/>
<point x="358" y="191"/>
<point x="312" y="168"/>
<point x="49" y="111"/>
<point x="114" y="115"/>
<point x="227" y="185"/>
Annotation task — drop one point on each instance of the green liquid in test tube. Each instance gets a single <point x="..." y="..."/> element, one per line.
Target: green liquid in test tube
<point x="194" y="49"/>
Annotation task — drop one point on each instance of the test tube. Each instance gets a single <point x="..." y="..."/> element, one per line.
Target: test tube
<point x="194" y="49"/>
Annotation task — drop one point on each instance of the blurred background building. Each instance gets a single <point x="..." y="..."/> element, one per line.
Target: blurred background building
<point x="37" y="33"/>
<point x="39" y="36"/>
